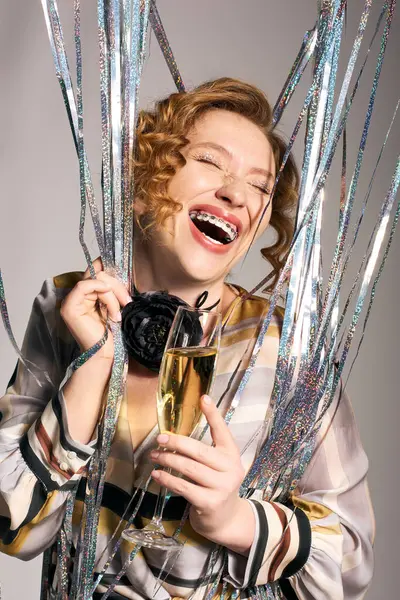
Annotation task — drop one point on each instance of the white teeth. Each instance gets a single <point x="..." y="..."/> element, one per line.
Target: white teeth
<point x="214" y="241"/>
<point x="228" y="228"/>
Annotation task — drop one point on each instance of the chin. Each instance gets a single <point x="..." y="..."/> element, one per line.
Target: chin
<point x="201" y="262"/>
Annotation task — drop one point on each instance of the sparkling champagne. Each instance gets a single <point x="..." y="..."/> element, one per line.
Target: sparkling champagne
<point x="186" y="375"/>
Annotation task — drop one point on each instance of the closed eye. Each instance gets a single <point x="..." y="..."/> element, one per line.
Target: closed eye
<point x="263" y="189"/>
<point x="208" y="160"/>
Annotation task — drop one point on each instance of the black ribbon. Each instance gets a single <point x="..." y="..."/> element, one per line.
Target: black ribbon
<point x="202" y="299"/>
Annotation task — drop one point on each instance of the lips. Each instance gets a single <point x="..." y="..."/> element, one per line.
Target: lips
<point x="208" y="243"/>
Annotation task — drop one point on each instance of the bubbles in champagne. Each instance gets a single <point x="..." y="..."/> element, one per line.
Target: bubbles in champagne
<point x="186" y="375"/>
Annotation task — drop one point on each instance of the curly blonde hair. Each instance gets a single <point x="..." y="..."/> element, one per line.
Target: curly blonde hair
<point x="161" y="135"/>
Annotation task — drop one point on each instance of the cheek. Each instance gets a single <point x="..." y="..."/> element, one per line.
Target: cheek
<point x="264" y="210"/>
<point x="192" y="181"/>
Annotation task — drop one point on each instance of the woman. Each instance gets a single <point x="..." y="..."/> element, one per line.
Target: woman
<point x="205" y="165"/>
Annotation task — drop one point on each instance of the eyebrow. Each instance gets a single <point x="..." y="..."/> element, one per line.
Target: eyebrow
<point x="220" y="148"/>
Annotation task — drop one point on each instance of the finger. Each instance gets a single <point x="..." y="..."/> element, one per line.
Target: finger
<point x="198" y="451"/>
<point x="97" y="265"/>
<point x="110" y="306"/>
<point x="192" y="492"/>
<point x="220" y="433"/>
<point x="88" y="288"/>
<point x="93" y="289"/>
<point x="196" y="472"/>
<point x="117" y="287"/>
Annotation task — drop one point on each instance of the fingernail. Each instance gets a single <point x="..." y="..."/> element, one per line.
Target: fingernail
<point x="128" y="299"/>
<point x="163" y="438"/>
<point x="118" y="316"/>
<point x="207" y="400"/>
<point x="154" y="454"/>
<point x="155" y="474"/>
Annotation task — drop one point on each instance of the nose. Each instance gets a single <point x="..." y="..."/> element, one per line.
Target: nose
<point x="233" y="192"/>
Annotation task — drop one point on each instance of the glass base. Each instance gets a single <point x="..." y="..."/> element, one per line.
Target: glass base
<point x="151" y="538"/>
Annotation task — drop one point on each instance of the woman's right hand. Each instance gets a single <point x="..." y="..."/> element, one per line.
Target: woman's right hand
<point x="82" y="315"/>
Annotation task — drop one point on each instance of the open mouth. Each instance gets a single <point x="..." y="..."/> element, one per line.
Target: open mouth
<point x="214" y="228"/>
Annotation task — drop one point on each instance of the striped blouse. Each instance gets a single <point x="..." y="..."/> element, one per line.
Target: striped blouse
<point x="316" y="546"/>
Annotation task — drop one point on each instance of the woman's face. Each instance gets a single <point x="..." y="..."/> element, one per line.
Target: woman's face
<point x="223" y="188"/>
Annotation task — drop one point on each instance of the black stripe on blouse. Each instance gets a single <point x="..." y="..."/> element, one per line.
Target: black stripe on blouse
<point x="288" y="590"/>
<point x="304" y="549"/>
<point x="262" y="541"/>
<point x="178" y="581"/>
<point x="10" y="383"/>
<point x="13" y="377"/>
<point x="117" y="501"/>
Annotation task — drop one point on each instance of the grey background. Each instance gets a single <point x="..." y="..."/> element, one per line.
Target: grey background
<point x="255" y="40"/>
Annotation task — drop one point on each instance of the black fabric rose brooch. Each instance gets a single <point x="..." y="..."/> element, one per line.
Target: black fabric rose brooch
<point x="146" y="322"/>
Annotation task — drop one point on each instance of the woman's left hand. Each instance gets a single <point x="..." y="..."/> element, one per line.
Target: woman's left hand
<point x="215" y="474"/>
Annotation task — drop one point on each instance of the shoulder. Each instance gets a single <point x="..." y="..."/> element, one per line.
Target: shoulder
<point x="245" y="317"/>
<point x="252" y="308"/>
<point x="54" y="289"/>
<point x="66" y="281"/>
<point x="47" y="304"/>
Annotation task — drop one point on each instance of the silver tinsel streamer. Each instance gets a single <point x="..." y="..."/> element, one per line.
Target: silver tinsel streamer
<point x="314" y="344"/>
<point x="54" y="30"/>
<point x="162" y="39"/>
<point x="302" y="59"/>
<point x="122" y="37"/>
<point x="288" y="407"/>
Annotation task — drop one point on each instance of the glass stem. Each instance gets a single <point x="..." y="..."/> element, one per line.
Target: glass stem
<point x="159" y="510"/>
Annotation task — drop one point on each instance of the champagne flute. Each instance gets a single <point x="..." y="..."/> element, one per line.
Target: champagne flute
<point x="186" y="374"/>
